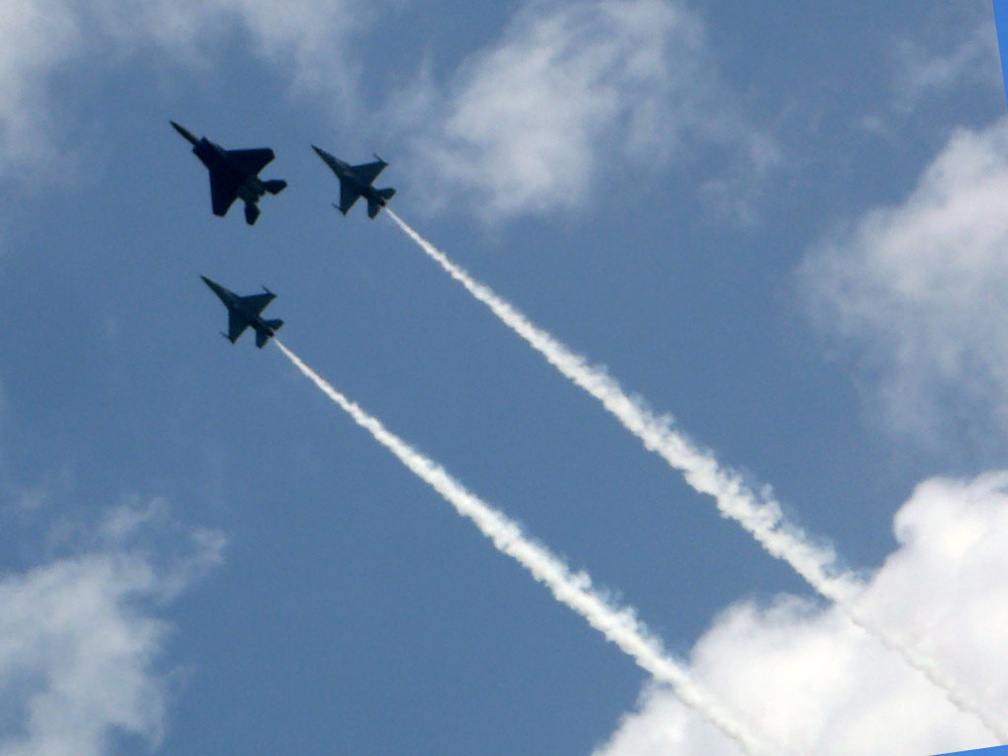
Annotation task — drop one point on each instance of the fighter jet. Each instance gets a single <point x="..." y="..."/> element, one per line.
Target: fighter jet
<point x="245" y="312"/>
<point x="234" y="174"/>
<point x="355" y="182"/>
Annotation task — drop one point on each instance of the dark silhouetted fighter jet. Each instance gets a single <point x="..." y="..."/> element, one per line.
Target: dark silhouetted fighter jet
<point x="356" y="181"/>
<point x="234" y="174"/>
<point x="246" y="312"/>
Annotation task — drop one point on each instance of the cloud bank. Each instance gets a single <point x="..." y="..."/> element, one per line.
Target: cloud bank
<point x="813" y="683"/>
<point x="572" y="90"/>
<point x="916" y="293"/>
<point x="80" y="642"/>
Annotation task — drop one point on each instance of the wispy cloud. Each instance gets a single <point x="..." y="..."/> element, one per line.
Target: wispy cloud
<point x="572" y="90"/>
<point x="966" y="54"/>
<point x="816" y="683"/>
<point x="81" y="642"/>
<point x="37" y="39"/>
<point x="573" y="95"/>
<point x="34" y="39"/>
<point x="916" y="292"/>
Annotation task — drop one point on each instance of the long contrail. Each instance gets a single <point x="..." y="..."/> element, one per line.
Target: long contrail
<point x="761" y="515"/>
<point x="619" y="625"/>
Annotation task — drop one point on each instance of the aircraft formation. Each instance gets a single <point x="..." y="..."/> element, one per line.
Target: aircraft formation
<point x="234" y="174"/>
<point x="758" y="514"/>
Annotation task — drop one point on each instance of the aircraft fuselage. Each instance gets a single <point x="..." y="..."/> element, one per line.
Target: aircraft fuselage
<point x="216" y="158"/>
<point x="345" y="172"/>
<point x="234" y="174"/>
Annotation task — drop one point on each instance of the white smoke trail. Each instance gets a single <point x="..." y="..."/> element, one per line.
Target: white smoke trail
<point x="760" y="515"/>
<point x="619" y="625"/>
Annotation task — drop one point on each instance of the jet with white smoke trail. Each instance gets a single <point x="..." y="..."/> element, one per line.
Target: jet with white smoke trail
<point x="619" y="625"/>
<point x="245" y="313"/>
<point x="357" y="181"/>
<point x="760" y="515"/>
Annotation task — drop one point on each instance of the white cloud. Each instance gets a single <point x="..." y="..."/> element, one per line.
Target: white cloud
<point x="39" y="38"/>
<point x="309" y="38"/>
<point x="810" y="682"/>
<point x="35" y="37"/>
<point x="530" y="125"/>
<point x="917" y="291"/>
<point x="80" y="643"/>
<point x="574" y="93"/>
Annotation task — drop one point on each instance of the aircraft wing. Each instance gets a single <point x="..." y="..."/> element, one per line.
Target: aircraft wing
<point x="368" y="172"/>
<point x="251" y="161"/>
<point x="236" y="326"/>
<point x="348" y="195"/>
<point x="257" y="302"/>
<point x="223" y="190"/>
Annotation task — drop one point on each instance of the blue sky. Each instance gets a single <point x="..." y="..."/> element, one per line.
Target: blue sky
<point x="783" y="225"/>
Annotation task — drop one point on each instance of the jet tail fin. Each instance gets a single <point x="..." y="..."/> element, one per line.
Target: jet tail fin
<point x="274" y="186"/>
<point x="375" y="205"/>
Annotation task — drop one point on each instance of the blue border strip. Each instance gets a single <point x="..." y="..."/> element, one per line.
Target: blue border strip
<point x="1001" y="22"/>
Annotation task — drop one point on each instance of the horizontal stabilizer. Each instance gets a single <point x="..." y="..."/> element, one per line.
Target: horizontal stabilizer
<point x="251" y="212"/>
<point x="263" y="334"/>
<point x="374" y="205"/>
<point x="274" y="186"/>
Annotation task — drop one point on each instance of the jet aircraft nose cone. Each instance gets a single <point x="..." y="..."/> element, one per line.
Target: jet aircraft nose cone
<point x="184" y="132"/>
<point x="323" y="154"/>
